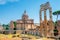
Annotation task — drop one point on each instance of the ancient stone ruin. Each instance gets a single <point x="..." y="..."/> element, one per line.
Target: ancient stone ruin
<point x="46" y="26"/>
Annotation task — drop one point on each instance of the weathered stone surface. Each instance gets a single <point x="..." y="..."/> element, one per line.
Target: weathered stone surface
<point x="44" y="25"/>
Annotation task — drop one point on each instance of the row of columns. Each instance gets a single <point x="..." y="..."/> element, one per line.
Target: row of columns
<point x="45" y="21"/>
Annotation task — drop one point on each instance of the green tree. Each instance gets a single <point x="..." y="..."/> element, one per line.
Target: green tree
<point x="3" y="25"/>
<point x="56" y="13"/>
<point x="55" y="31"/>
<point x="14" y="25"/>
<point x="6" y="26"/>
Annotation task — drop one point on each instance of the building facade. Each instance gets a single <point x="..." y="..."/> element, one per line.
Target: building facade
<point x="23" y="24"/>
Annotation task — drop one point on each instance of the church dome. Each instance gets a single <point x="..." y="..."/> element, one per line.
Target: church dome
<point x="25" y="16"/>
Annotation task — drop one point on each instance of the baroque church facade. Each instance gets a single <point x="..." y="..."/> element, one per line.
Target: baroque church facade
<point x="25" y="25"/>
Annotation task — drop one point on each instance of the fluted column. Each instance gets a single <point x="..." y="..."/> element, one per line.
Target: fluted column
<point x="50" y="11"/>
<point x="40" y="22"/>
<point x="45" y="23"/>
<point x="45" y="16"/>
<point x="40" y="16"/>
<point x="51" y="23"/>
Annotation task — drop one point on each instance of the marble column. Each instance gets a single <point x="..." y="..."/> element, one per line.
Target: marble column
<point x="40" y="16"/>
<point x="51" y="23"/>
<point x="40" y="22"/>
<point x="50" y="11"/>
<point x="45" y="18"/>
<point x="45" y="23"/>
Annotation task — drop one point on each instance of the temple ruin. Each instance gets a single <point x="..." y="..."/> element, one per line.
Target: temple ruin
<point x="46" y="26"/>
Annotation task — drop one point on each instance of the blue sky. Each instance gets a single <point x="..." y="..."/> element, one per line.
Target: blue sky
<point x="13" y="9"/>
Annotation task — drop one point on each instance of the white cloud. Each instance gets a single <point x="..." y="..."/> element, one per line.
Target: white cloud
<point x="5" y="1"/>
